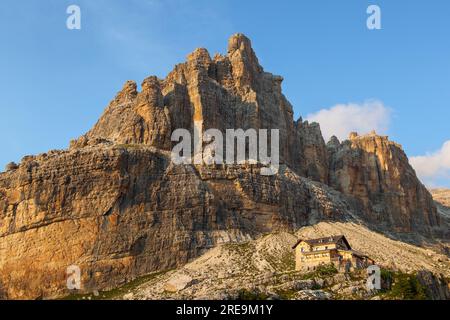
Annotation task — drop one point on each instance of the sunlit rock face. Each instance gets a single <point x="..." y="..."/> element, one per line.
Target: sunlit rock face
<point x="116" y="206"/>
<point x="376" y="171"/>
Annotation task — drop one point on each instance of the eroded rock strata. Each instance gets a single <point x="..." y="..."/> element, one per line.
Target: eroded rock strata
<point x="115" y="205"/>
<point x="377" y="172"/>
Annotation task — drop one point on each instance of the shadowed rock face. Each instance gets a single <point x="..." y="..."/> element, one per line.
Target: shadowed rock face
<point x="122" y="211"/>
<point x="442" y="200"/>
<point x="441" y="196"/>
<point x="114" y="205"/>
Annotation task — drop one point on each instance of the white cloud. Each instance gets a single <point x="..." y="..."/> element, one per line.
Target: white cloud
<point x="434" y="167"/>
<point x="342" y="119"/>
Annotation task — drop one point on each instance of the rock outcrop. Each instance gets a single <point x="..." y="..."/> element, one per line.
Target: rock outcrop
<point x="133" y="118"/>
<point x="266" y="266"/>
<point x="227" y="92"/>
<point x="116" y="206"/>
<point x="442" y="196"/>
<point x="377" y="172"/>
<point x="119" y="211"/>
<point x="436" y="287"/>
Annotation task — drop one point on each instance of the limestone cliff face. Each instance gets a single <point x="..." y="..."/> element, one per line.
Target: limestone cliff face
<point x="377" y="172"/>
<point x="442" y="196"/>
<point x="312" y="158"/>
<point x="116" y="206"/>
<point x="119" y="212"/>
<point x="442" y="200"/>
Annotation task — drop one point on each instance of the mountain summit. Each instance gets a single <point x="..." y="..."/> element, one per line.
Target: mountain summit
<point x="114" y="205"/>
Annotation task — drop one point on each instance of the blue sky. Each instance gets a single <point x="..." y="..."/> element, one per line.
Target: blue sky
<point x="56" y="82"/>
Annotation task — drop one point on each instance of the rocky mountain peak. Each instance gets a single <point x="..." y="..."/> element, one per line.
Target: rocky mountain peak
<point x="116" y="206"/>
<point x="239" y="46"/>
<point x="334" y="143"/>
<point x="377" y="171"/>
<point x="129" y="92"/>
<point x="200" y="57"/>
<point x="373" y="138"/>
